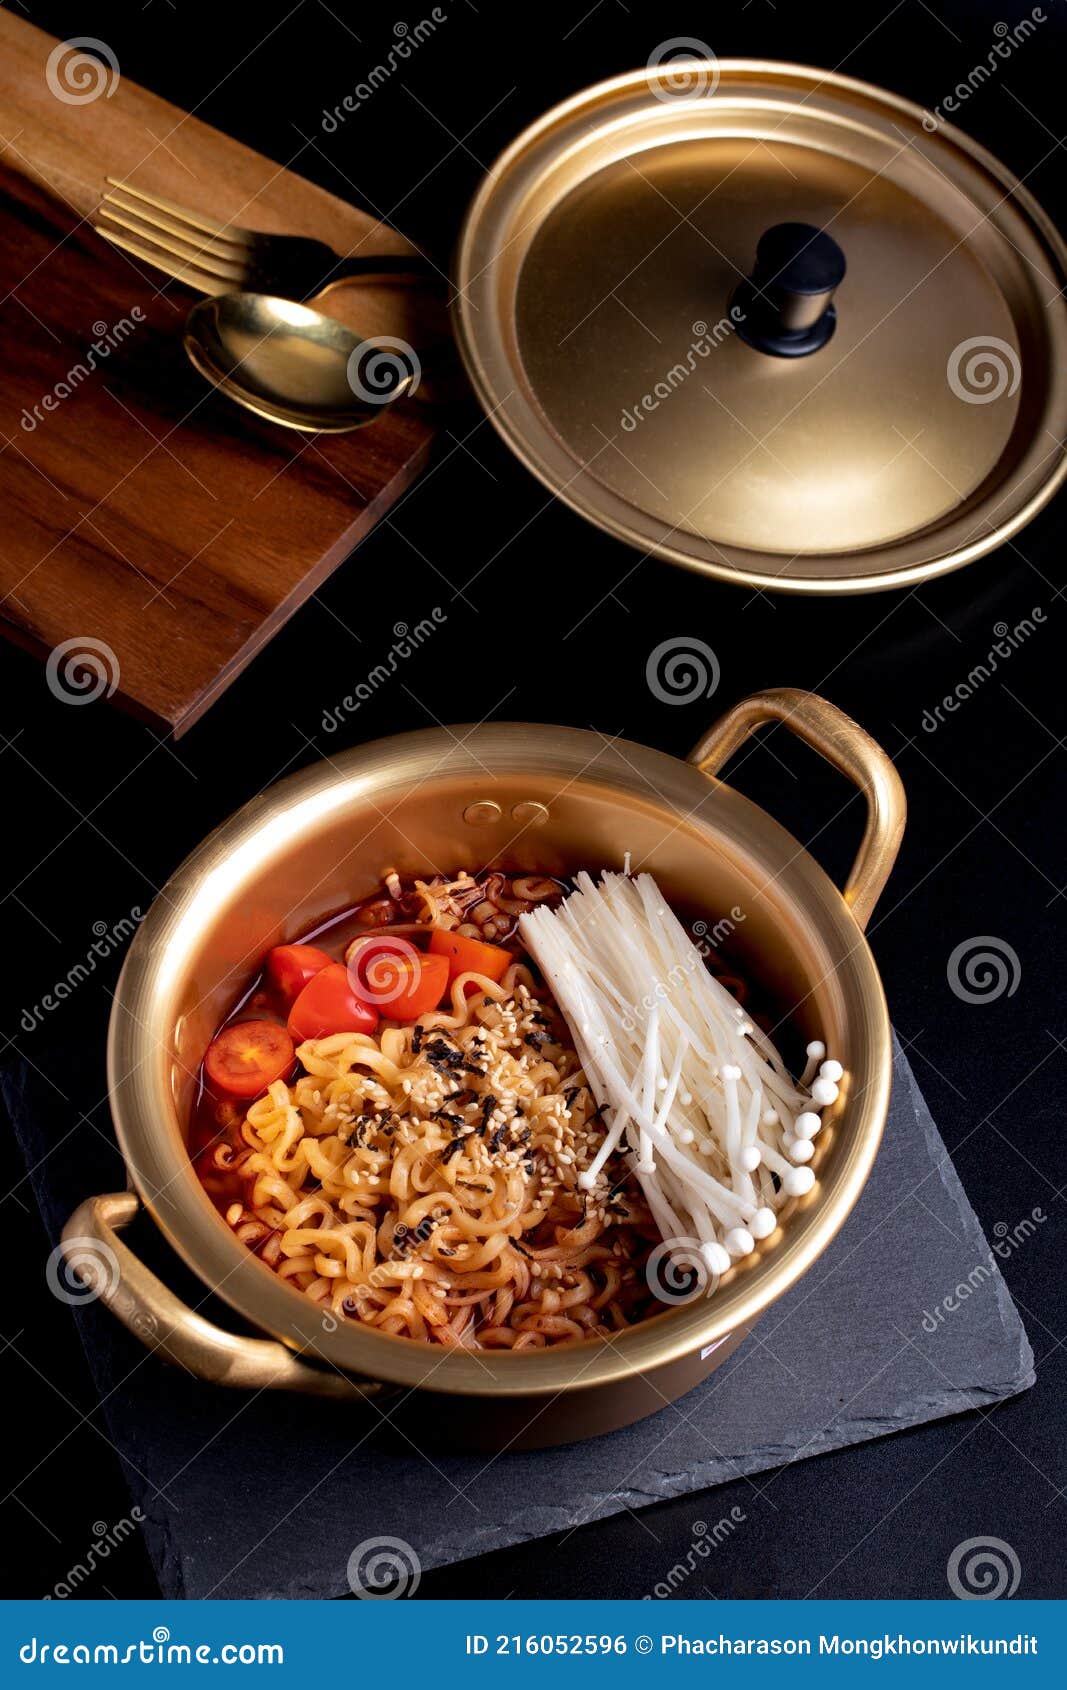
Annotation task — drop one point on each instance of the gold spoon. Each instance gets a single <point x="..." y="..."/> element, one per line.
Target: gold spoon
<point x="295" y="366"/>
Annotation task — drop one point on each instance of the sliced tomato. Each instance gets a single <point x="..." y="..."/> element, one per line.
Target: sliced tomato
<point x="363" y="959"/>
<point x="329" y="1005"/>
<point x="420" y="982"/>
<point x="470" y="956"/>
<point x="290" y="967"/>
<point x="400" y="981"/>
<point x="248" y="1056"/>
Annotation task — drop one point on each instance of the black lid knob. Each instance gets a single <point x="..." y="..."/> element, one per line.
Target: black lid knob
<point x="784" y="306"/>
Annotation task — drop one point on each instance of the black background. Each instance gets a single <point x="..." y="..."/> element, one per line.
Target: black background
<point x="99" y="810"/>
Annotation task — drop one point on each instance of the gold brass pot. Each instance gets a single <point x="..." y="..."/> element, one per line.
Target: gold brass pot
<point x="542" y="799"/>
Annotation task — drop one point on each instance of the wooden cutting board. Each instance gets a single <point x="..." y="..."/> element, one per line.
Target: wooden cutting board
<point x="141" y="511"/>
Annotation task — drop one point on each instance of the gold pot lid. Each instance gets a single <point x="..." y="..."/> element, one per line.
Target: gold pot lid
<point x="879" y="397"/>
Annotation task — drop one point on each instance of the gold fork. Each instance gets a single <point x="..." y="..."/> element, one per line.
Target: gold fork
<point x="219" y="257"/>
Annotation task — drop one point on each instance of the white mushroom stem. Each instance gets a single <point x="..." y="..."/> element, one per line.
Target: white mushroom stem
<point x="816" y="1052"/>
<point x="608" y="1143"/>
<point x="645" y="1164"/>
<point x="795" y="1181"/>
<point x="730" y="1077"/>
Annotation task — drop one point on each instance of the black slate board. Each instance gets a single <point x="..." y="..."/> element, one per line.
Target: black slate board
<point x="268" y="1496"/>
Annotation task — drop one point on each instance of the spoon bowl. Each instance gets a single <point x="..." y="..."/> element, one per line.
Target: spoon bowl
<point x="293" y="365"/>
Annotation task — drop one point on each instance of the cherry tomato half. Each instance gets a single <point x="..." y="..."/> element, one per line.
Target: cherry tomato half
<point x="290" y="967"/>
<point x="469" y="956"/>
<point x="368" y="966"/>
<point x="248" y="1056"/>
<point x="329" y="1005"/>
<point x="409" y="986"/>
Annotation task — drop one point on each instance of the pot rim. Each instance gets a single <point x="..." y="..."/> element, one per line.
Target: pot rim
<point x="156" y="1157"/>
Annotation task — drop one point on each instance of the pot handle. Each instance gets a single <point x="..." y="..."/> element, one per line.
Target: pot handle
<point x="843" y="743"/>
<point x="97" y="1256"/>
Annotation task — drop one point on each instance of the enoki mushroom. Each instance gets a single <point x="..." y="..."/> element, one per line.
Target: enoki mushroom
<point x="718" y="1132"/>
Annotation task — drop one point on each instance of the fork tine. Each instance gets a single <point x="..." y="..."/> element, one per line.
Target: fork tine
<point x="187" y="273"/>
<point x="208" y="225"/>
<point x="188" y="232"/>
<point x="232" y="270"/>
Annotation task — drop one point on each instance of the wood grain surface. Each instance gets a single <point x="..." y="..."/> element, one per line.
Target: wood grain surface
<point x="142" y="512"/>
